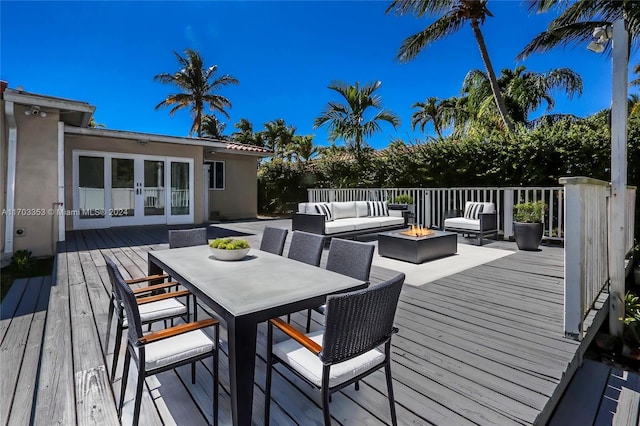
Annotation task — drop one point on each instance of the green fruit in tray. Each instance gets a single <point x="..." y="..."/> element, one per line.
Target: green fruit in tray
<point x="229" y="244"/>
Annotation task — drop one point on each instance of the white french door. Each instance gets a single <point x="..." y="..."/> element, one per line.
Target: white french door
<point x="112" y="189"/>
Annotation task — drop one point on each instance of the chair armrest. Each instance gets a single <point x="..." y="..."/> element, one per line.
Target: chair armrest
<point x="162" y="296"/>
<point x="145" y="279"/>
<point x="156" y="287"/>
<point x="308" y="222"/>
<point x="488" y="221"/>
<point x="297" y="336"/>
<point x="174" y="331"/>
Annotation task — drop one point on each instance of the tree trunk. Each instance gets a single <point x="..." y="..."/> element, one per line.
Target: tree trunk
<point x="497" y="94"/>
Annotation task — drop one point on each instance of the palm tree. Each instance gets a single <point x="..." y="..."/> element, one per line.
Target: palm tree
<point x="198" y="89"/>
<point x="524" y="91"/>
<point x="347" y="120"/>
<point x="278" y="135"/>
<point x="302" y="148"/>
<point x="454" y="14"/>
<point x="432" y="110"/>
<point x="246" y="135"/>
<point x="212" y="127"/>
<point x="577" y="21"/>
<point x="636" y="70"/>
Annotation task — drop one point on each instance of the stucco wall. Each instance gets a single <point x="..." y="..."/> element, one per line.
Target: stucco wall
<point x="239" y="199"/>
<point x="36" y="181"/>
<point x="127" y="146"/>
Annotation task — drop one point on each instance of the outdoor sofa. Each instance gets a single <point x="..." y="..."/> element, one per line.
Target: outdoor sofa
<point x="479" y="219"/>
<point x="347" y="218"/>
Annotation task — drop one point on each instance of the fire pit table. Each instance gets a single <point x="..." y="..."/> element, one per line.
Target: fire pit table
<point x="431" y="244"/>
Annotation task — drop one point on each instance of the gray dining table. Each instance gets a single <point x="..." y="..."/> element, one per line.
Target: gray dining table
<point x="245" y="293"/>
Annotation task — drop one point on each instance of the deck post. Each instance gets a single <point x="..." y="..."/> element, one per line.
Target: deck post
<point x="507" y="214"/>
<point x="574" y="257"/>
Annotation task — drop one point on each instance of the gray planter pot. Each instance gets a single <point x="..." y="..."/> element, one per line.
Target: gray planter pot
<point x="527" y="235"/>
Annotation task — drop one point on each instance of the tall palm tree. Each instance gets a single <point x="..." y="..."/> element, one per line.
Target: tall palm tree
<point x="350" y="120"/>
<point x="212" y="127"/>
<point x="577" y="21"/>
<point x="432" y="110"/>
<point x="278" y="135"/>
<point x="246" y="135"/>
<point x="454" y="14"/>
<point x="524" y="91"/>
<point x="199" y="88"/>
<point x="636" y="70"/>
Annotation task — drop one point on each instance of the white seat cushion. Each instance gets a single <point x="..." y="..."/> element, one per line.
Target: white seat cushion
<point x="155" y="311"/>
<point x="342" y="225"/>
<point x="360" y="222"/>
<point x="462" y="223"/>
<point x="175" y="349"/>
<point x="310" y="367"/>
<point x="390" y="220"/>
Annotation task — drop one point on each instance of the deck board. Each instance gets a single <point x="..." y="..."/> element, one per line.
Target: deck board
<point x="482" y="346"/>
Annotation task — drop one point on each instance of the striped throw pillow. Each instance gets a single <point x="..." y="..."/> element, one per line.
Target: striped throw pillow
<point x="473" y="210"/>
<point x="323" y="208"/>
<point x="377" y="208"/>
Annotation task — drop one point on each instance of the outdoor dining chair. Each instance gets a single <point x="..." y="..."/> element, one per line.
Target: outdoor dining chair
<point x="273" y="240"/>
<point x="357" y="324"/>
<point x="179" y="238"/>
<point x="307" y="248"/>
<point x="152" y="308"/>
<point x="346" y="257"/>
<point x="162" y="350"/>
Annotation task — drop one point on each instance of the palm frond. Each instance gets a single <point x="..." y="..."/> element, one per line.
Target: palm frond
<point x="571" y="34"/>
<point x="419" y="8"/>
<point x="444" y="26"/>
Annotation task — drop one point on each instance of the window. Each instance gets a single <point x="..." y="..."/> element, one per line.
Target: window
<point x="216" y="175"/>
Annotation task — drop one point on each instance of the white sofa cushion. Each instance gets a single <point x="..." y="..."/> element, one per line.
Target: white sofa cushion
<point x="342" y="225"/>
<point x="390" y="220"/>
<point x="362" y="210"/>
<point x="310" y="366"/>
<point x="344" y="209"/>
<point x="178" y="348"/>
<point x="462" y="223"/>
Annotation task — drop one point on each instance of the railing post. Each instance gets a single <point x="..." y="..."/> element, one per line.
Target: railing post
<point x="507" y="213"/>
<point x="574" y="258"/>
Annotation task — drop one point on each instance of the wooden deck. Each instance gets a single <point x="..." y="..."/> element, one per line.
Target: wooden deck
<point x="483" y="346"/>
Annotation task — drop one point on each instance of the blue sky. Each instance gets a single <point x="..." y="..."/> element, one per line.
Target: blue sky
<point x="284" y="54"/>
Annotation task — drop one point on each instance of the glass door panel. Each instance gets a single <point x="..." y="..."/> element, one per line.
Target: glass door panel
<point x="122" y="190"/>
<point x="180" y="189"/>
<point x="91" y="187"/>
<point x="154" y="191"/>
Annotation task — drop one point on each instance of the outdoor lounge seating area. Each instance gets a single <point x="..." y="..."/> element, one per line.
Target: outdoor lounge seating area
<point x="481" y="365"/>
<point x="347" y="218"/>
<point x="479" y="219"/>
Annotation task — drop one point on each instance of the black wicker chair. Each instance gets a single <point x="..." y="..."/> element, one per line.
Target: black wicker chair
<point x="187" y="237"/>
<point x="357" y="324"/>
<point x="273" y="240"/>
<point x="153" y="307"/>
<point x="306" y="247"/>
<point x="346" y="257"/>
<point x="163" y="350"/>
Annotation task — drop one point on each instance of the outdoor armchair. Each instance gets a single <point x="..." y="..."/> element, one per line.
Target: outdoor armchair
<point x="306" y="248"/>
<point x="346" y="257"/>
<point x="273" y="240"/>
<point x="152" y="308"/>
<point x="162" y="350"/>
<point x="357" y="324"/>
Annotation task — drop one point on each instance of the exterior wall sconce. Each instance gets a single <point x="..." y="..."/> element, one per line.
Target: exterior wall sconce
<point x="35" y="111"/>
<point x="601" y="35"/>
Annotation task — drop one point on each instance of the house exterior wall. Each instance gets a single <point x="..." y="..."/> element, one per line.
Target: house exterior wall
<point x="127" y="146"/>
<point x="36" y="188"/>
<point x="239" y="199"/>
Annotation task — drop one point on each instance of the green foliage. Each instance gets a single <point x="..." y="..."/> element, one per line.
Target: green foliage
<point x="403" y="199"/>
<point x="529" y="212"/>
<point x="631" y="309"/>
<point x="21" y="260"/>
<point x="229" y="244"/>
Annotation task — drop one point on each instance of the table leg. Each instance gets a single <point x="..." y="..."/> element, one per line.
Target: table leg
<point x="242" y="363"/>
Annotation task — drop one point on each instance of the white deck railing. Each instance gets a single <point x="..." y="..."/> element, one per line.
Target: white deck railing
<point x="586" y="246"/>
<point x="431" y="204"/>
